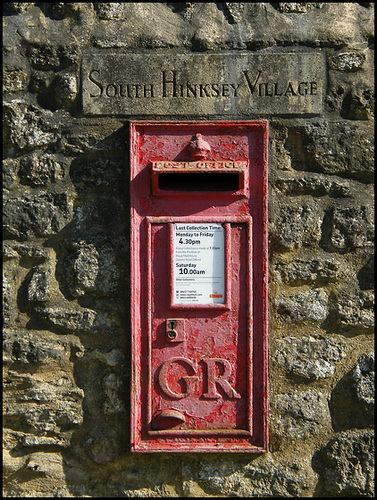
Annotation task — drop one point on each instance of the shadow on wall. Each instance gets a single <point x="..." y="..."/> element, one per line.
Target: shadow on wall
<point x="346" y="463"/>
<point x="352" y="400"/>
<point x="93" y="273"/>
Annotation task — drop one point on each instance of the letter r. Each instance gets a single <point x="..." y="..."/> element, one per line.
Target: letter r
<point x="220" y="380"/>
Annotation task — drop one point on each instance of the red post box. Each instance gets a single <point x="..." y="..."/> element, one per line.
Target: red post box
<point x="199" y="286"/>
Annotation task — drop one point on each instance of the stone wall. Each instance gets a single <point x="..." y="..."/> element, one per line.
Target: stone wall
<point x="66" y="257"/>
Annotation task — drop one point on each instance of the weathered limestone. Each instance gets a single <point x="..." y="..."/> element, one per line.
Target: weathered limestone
<point x="312" y="358"/>
<point x="300" y="415"/>
<point x="346" y="465"/>
<point x="308" y="305"/>
<point x="298" y="225"/>
<point x="196" y="84"/>
<point x="37" y="214"/>
<point x="352" y="399"/>
<point x="66" y="343"/>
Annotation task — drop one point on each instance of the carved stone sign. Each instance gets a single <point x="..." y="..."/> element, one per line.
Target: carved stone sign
<point x="235" y="84"/>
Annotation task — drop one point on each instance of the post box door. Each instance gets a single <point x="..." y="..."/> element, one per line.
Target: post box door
<point x="199" y="355"/>
<point x="198" y="344"/>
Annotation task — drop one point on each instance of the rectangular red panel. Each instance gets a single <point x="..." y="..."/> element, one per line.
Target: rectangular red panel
<point x="199" y="286"/>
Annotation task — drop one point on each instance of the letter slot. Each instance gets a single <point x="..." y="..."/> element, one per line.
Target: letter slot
<point x="195" y="181"/>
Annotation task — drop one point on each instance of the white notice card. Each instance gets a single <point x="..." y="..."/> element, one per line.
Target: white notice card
<point x="199" y="269"/>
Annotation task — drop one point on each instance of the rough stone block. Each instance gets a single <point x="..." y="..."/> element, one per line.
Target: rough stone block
<point x="10" y="167"/>
<point x="104" y="211"/>
<point x="110" y="10"/>
<point x="142" y="478"/>
<point x="235" y="11"/>
<point x="17" y="7"/>
<point x="101" y="173"/>
<point x="358" y="104"/>
<point x="279" y="154"/>
<point x="352" y="399"/>
<point x="112" y="387"/>
<point x="37" y="215"/>
<point x="103" y="450"/>
<point x="352" y="227"/>
<point x="27" y="127"/>
<point x="89" y="267"/>
<point x="304" y="306"/>
<point x="153" y="26"/>
<point x="339" y="148"/>
<point x="40" y="170"/>
<point x="43" y="405"/>
<point x="14" y="80"/>
<point x="270" y="476"/>
<point x="301" y="414"/>
<point x="40" y="474"/>
<point x="314" y="185"/>
<point x="312" y="358"/>
<point x="82" y="269"/>
<point x="35" y="347"/>
<point x="346" y="465"/>
<point x="97" y="137"/>
<point x="298" y="7"/>
<point x="40" y="81"/>
<point x="308" y="269"/>
<point x="29" y="252"/>
<point x="354" y="310"/>
<point x="363" y="377"/>
<point x="334" y="97"/>
<point x="110" y="358"/>
<point x="37" y="405"/>
<point x="65" y="89"/>
<point x="11" y="463"/>
<point x="39" y="289"/>
<point x="366" y="275"/>
<point x="296" y="227"/>
<point x="71" y="320"/>
<point x="347" y="61"/>
<point x="48" y="57"/>
<point x="7" y="299"/>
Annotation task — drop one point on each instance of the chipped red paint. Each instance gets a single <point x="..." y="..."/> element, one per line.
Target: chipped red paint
<point x="199" y="372"/>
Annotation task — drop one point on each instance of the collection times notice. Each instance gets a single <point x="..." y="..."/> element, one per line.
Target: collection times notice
<point x="199" y="269"/>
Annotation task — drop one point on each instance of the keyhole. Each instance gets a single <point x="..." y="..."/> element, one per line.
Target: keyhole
<point x="175" y="330"/>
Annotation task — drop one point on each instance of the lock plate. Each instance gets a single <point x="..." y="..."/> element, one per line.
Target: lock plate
<point x="175" y="330"/>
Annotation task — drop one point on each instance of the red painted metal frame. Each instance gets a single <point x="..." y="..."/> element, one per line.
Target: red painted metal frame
<point x="150" y="210"/>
